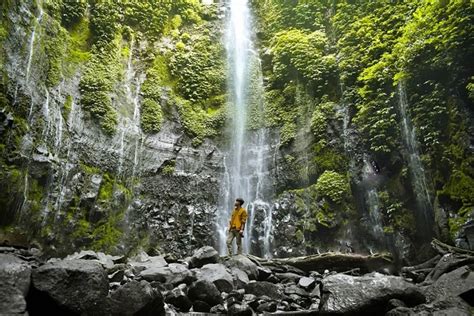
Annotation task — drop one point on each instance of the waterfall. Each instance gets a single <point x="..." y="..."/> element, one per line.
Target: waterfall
<point x="129" y="128"/>
<point x="246" y="172"/>
<point x="369" y="177"/>
<point x="32" y="45"/>
<point x="415" y="165"/>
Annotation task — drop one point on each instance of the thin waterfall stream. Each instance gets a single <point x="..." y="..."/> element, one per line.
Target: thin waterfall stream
<point x="415" y="165"/>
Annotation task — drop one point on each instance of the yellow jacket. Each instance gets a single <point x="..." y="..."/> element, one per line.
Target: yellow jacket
<point x="239" y="217"/>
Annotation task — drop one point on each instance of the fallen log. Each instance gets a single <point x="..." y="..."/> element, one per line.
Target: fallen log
<point x="332" y="261"/>
<point x="447" y="263"/>
<point x="427" y="264"/>
<point x="443" y="248"/>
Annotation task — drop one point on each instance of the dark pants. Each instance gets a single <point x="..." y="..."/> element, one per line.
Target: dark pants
<point x="234" y="233"/>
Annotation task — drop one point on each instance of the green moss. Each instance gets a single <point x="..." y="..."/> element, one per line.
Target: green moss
<point x="95" y="85"/>
<point x="311" y="213"/>
<point x="198" y="68"/>
<point x="328" y="158"/>
<point x="287" y="132"/>
<point x="198" y="122"/>
<point x="168" y="170"/>
<point x="457" y="221"/>
<point x="90" y="169"/>
<point x="107" y="235"/>
<point x="151" y="116"/>
<point x="67" y="107"/>
<point x="106" y="189"/>
<point x="320" y="119"/>
<point x="333" y="185"/>
<point x="55" y="50"/>
<point x="35" y="196"/>
<point x="460" y="187"/>
<point x="78" y="47"/>
<point x="82" y="229"/>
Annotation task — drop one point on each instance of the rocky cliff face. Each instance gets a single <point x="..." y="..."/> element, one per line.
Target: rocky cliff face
<point x="114" y="132"/>
<point x="72" y="183"/>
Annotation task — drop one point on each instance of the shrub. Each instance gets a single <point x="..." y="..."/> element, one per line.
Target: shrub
<point x="333" y="185"/>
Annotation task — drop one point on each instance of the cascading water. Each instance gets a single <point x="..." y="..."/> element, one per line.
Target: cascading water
<point x="369" y="178"/>
<point x="129" y="128"/>
<point x="246" y="173"/>
<point x="32" y="44"/>
<point x="417" y="171"/>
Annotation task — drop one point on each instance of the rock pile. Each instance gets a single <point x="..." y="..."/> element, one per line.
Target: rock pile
<point x="90" y="283"/>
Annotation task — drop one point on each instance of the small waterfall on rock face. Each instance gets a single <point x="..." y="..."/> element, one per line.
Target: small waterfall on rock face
<point x="246" y="173"/>
<point x="32" y="45"/>
<point x="372" y="200"/>
<point x="417" y="171"/>
<point x="129" y="128"/>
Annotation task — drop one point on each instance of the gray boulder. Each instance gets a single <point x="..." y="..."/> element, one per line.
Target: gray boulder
<point x="451" y="284"/>
<point x="78" y="285"/>
<point x="451" y="307"/>
<point x="143" y="262"/>
<point x="203" y="256"/>
<point x="344" y="294"/>
<point x="307" y="283"/>
<point x="240" y="278"/>
<point x="14" y="284"/>
<point x="12" y="300"/>
<point x="288" y="277"/>
<point x="206" y="291"/>
<point x="136" y="298"/>
<point x="15" y="272"/>
<point x="178" y="298"/>
<point x="174" y="273"/>
<point x="263" y="273"/>
<point x="217" y="274"/>
<point x="241" y="309"/>
<point x="264" y="288"/>
<point x="201" y="307"/>
<point x="107" y="261"/>
<point x="293" y="289"/>
<point x="244" y="264"/>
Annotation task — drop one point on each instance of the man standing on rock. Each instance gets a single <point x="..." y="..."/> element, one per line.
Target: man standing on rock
<point x="236" y="226"/>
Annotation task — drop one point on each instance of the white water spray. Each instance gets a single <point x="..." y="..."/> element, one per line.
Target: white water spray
<point x="32" y="45"/>
<point x="372" y="200"/>
<point x="246" y="173"/>
<point x="417" y="171"/>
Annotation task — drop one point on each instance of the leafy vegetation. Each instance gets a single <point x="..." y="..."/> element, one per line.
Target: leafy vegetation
<point x="333" y="185"/>
<point x="151" y="117"/>
<point x="356" y="54"/>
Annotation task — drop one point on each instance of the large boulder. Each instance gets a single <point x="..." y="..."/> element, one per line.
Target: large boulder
<point x="451" y="284"/>
<point x="142" y="261"/>
<point x="451" y="307"/>
<point x="136" y="298"/>
<point x="15" y="272"/>
<point x="264" y="288"/>
<point x="241" y="309"/>
<point x="12" y="300"/>
<point x="217" y="274"/>
<point x="107" y="261"/>
<point x="178" y="298"/>
<point x="14" y="284"/>
<point x="244" y="264"/>
<point x="203" y="256"/>
<point x="174" y="273"/>
<point x="240" y="278"/>
<point x="78" y="285"/>
<point x="345" y="294"/>
<point x="206" y="291"/>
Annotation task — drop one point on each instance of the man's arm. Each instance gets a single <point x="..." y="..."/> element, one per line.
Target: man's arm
<point x="243" y="220"/>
